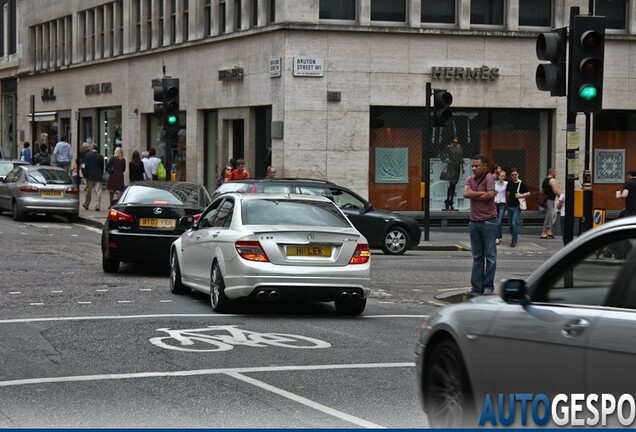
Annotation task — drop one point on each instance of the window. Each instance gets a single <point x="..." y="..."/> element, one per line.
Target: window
<point x="254" y="12"/>
<point x="535" y="13"/>
<point x="160" y="25"/>
<point x="224" y="215"/>
<point x="388" y="10"/>
<point x="345" y="200"/>
<point x="221" y="17"/>
<point x="173" y="21"/>
<point x="438" y="11"/>
<point x="137" y="25"/>
<point x="237" y="15"/>
<point x="272" y="11"/>
<point x="148" y="24"/>
<point x="338" y="9"/>
<point x="186" y="24"/>
<point x="489" y="12"/>
<point x="614" y="11"/>
<point x="207" y="22"/>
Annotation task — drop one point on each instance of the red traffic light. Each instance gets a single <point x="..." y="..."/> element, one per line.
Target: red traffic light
<point x="591" y="39"/>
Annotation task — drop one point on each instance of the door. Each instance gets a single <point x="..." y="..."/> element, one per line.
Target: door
<point x="189" y="245"/>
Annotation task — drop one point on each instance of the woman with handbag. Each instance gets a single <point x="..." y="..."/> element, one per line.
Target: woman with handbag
<point x="116" y="166"/>
<point x="550" y="187"/>
<point x="500" y="201"/>
<point x="516" y="194"/>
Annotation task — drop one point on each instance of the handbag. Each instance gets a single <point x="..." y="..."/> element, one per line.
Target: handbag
<point x="444" y="174"/>
<point x="523" y="205"/>
<point x="543" y="199"/>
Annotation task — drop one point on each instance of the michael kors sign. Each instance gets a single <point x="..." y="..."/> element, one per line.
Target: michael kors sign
<point x="483" y="73"/>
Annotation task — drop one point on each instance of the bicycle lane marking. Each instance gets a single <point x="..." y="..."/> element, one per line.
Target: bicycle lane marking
<point x="304" y="401"/>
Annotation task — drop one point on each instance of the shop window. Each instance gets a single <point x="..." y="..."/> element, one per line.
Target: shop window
<point x="535" y="13"/>
<point x="110" y="132"/>
<point x="338" y="9"/>
<point x="614" y="11"/>
<point x="488" y="12"/>
<point x="388" y="10"/>
<point x="438" y="11"/>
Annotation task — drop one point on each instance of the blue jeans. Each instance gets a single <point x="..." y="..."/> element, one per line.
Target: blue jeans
<point x="501" y="209"/>
<point x="513" y="221"/>
<point x="483" y="236"/>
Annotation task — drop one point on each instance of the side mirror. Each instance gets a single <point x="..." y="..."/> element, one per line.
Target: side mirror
<point x="186" y="222"/>
<point x="513" y="291"/>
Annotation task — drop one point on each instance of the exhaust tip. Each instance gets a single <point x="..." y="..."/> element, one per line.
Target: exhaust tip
<point x="274" y="294"/>
<point x="355" y="295"/>
<point x="344" y="295"/>
<point x="262" y="294"/>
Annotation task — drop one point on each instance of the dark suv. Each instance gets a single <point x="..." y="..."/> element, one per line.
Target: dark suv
<point x="391" y="232"/>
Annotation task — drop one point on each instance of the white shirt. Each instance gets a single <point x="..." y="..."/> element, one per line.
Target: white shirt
<point x="147" y="168"/>
<point x="153" y="162"/>
<point x="500" y="198"/>
<point x="562" y="199"/>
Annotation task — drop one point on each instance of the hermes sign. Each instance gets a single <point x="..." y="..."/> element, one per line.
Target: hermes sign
<point x="483" y="73"/>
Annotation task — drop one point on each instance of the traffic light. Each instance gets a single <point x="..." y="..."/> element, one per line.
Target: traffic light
<point x="552" y="46"/>
<point x="157" y="92"/>
<point x="442" y="101"/>
<point x="587" y="48"/>
<point x="171" y="105"/>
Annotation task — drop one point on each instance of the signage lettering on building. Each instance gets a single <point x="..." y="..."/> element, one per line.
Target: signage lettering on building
<point x="234" y="74"/>
<point x="48" y="94"/>
<point x="483" y="73"/>
<point x="275" y="67"/>
<point x="309" y="66"/>
<point x="97" y="89"/>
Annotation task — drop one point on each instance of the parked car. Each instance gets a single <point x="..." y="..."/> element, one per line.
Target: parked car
<point x="391" y="232"/>
<point x="143" y="223"/>
<point x="39" y="189"/>
<point x="273" y="247"/>
<point x="7" y="165"/>
<point x="569" y="328"/>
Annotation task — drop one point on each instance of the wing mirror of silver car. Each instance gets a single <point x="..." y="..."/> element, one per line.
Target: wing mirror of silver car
<point x="514" y="291"/>
<point x="186" y="222"/>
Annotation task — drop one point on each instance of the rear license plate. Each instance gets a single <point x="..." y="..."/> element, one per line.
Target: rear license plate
<point x="52" y="193"/>
<point x="320" y="251"/>
<point x="157" y="223"/>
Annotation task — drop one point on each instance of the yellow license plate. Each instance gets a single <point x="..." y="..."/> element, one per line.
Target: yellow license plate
<point x="319" y="251"/>
<point x="157" y="223"/>
<point x="52" y="193"/>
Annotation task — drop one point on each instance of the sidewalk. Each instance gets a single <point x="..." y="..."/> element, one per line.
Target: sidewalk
<point x="90" y="216"/>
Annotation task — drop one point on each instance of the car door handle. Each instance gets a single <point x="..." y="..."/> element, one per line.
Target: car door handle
<point x="575" y="327"/>
<point x="216" y="234"/>
<point x="197" y="237"/>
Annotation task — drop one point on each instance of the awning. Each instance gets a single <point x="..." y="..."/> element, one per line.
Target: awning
<point x="43" y="116"/>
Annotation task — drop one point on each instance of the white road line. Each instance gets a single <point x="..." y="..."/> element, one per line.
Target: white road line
<point x="15" y="292"/>
<point x="145" y="289"/>
<point x="84" y="302"/>
<point x="307" y="402"/>
<point x="90" y="228"/>
<point x="56" y="292"/>
<point x="122" y="317"/>
<point x="124" y="301"/>
<point x="36" y="304"/>
<point x="102" y="290"/>
<point x="165" y="301"/>
<point x="197" y="372"/>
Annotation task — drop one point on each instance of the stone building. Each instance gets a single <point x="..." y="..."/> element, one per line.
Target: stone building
<point x="328" y="89"/>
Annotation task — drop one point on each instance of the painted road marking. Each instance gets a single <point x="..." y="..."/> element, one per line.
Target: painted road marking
<point x="15" y="292"/>
<point x="90" y="228"/>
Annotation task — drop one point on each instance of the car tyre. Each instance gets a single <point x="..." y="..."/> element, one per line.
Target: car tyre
<point x="110" y="265"/>
<point x="73" y="218"/>
<point x="350" y="307"/>
<point x="176" y="285"/>
<point x="396" y="241"/>
<point x="17" y="214"/>
<point x="446" y="388"/>
<point x="219" y="301"/>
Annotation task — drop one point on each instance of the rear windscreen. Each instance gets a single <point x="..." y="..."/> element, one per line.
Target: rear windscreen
<point x="288" y="212"/>
<point x="49" y="176"/>
<point x="148" y="195"/>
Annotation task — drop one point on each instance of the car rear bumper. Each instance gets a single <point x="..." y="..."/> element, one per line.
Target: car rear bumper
<point x="57" y="206"/>
<point x="298" y="282"/>
<point x="135" y="247"/>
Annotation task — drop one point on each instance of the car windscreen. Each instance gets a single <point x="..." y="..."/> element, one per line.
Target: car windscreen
<point x="138" y="194"/>
<point x="233" y="187"/>
<point x="5" y="168"/>
<point x="292" y="212"/>
<point x="49" y="176"/>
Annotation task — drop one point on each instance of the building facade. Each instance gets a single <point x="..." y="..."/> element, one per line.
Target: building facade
<point x="329" y="89"/>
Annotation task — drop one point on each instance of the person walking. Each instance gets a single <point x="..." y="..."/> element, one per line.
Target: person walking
<point x="62" y="154"/>
<point x="560" y="207"/>
<point x="629" y="193"/>
<point x="500" y="201"/>
<point x="147" y="168"/>
<point x="94" y="173"/>
<point x="240" y="172"/>
<point x="224" y="176"/>
<point x="135" y="168"/>
<point x="42" y="157"/>
<point x="515" y="190"/>
<point x="116" y="166"/>
<point x="480" y="190"/>
<point x="25" y="153"/>
<point x="550" y="187"/>
<point x="153" y="163"/>
<point x="454" y="158"/>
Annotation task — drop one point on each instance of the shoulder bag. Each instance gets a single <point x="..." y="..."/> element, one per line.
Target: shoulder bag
<point x="523" y="205"/>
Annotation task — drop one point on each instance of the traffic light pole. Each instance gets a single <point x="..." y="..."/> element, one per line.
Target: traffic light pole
<point x="588" y="206"/>
<point x="427" y="145"/>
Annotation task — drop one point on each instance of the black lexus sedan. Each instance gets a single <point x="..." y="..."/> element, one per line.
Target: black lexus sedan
<point x="144" y="222"/>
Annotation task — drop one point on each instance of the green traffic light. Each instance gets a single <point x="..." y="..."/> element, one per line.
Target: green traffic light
<point x="172" y="120"/>
<point x="588" y="92"/>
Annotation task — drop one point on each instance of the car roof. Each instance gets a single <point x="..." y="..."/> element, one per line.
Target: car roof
<point x="282" y="180"/>
<point x="263" y="196"/>
<point x="166" y="185"/>
<point x="14" y="161"/>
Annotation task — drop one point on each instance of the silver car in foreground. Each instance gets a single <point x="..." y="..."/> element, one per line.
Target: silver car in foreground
<point x="273" y="247"/>
<point x="39" y="189"/>
<point x="570" y="327"/>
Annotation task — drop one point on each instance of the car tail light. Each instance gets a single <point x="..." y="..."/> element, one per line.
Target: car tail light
<point x="117" y="216"/>
<point x="251" y="251"/>
<point x="196" y="217"/>
<point x="361" y="254"/>
<point x="72" y="190"/>
<point x="29" y="189"/>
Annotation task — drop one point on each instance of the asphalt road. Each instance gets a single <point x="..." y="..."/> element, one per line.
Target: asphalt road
<point x="80" y="348"/>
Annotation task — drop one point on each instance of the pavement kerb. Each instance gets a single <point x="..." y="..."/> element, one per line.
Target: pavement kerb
<point x="441" y="247"/>
<point x="90" y="222"/>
